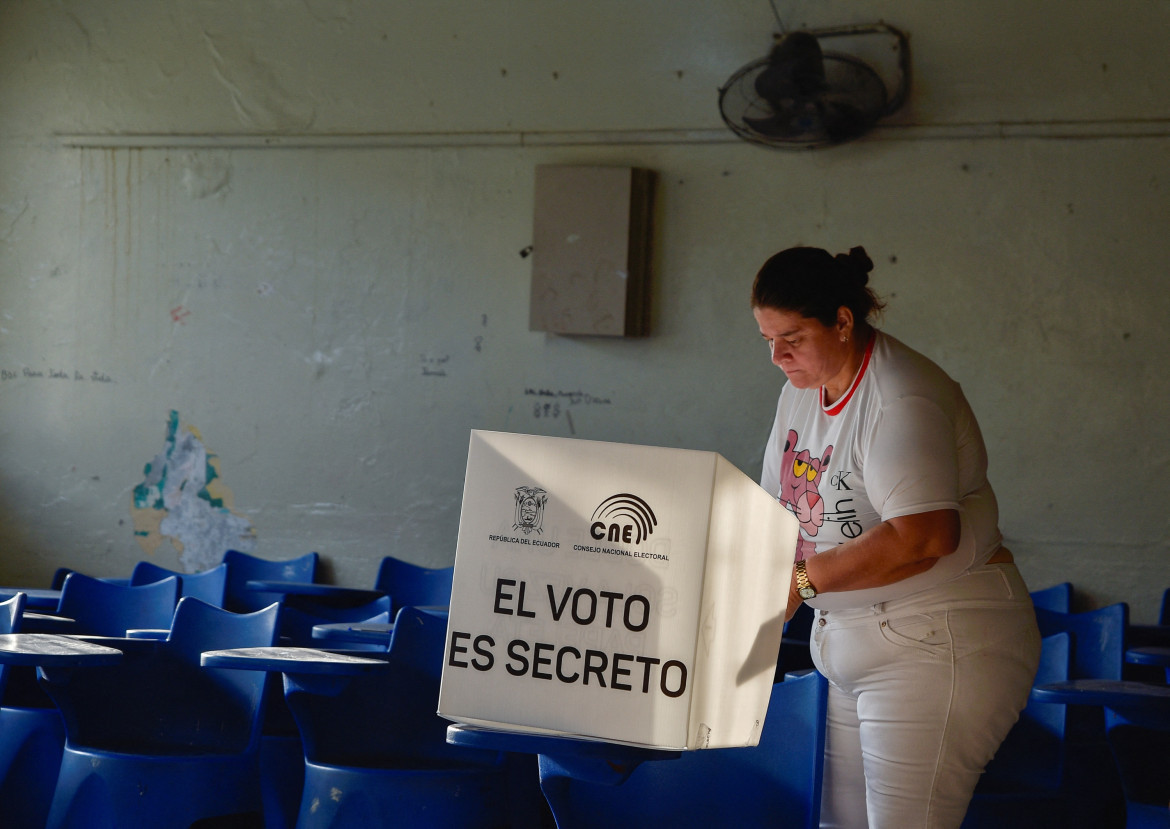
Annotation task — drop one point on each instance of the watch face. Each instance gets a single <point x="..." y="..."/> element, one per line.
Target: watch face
<point x="806" y="592"/>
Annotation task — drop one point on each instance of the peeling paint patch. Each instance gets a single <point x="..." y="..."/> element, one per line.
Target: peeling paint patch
<point x="205" y="176"/>
<point x="256" y="85"/>
<point x="9" y="216"/>
<point x="322" y="509"/>
<point x="181" y="498"/>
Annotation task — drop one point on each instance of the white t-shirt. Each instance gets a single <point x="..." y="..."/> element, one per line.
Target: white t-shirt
<point x="902" y="440"/>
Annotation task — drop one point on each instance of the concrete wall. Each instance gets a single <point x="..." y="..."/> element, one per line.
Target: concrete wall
<point x="300" y="227"/>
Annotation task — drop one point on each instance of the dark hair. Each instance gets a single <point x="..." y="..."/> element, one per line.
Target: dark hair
<point x="814" y="283"/>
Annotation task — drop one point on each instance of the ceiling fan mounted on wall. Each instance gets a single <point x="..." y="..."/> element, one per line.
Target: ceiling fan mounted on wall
<point x="802" y="96"/>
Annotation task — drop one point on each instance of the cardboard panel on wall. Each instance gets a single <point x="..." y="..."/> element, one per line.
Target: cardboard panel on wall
<point x="590" y="259"/>
<point x="618" y="592"/>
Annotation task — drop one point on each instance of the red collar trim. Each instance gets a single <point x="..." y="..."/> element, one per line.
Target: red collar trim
<point x="837" y="407"/>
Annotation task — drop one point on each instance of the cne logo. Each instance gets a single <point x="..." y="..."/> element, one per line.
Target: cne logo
<point x="623" y="517"/>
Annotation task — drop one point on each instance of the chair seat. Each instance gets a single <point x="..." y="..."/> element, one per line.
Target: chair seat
<point x="129" y="791"/>
<point x="31" y="741"/>
<point x="453" y="797"/>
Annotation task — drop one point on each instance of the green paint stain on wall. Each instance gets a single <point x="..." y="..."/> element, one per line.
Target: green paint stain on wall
<point x="183" y="498"/>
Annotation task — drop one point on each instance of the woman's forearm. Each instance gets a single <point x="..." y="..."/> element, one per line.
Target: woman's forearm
<point x="893" y="550"/>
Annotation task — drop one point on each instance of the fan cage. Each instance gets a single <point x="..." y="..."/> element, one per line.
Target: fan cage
<point x="738" y="100"/>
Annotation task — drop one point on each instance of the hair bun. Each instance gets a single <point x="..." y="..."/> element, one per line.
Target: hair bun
<point x="857" y="263"/>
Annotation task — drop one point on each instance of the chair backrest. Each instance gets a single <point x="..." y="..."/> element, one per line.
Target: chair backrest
<point x="159" y="700"/>
<point x="10" y="613"/>
<point x="58" y="580"/>
<point x="1056" y="653"/>
<point x="208" y="585"/>
<point x="1098" y="639"/>
<point x="245" y="567"/>
<point x="1032" y="754"/>
<point x="776" y="783"/>
<point x="410" y="585"/>
<point x="103" y="608"/>
<point x="1058" y="597"/>
<point x="200" y="627"/>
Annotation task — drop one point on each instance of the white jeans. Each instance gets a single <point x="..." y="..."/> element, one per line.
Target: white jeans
<point x="922" y="690"/>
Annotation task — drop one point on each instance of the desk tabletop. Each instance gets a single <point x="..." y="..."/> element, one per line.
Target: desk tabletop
<point x="1076" y="691"/>
<point x="313" y="589"/>
<point x="1143" y="703"/>
<point x="292" y="660"/>
<point x="1110" y="693"/>
<point x="1149" y="656"/>
<point x="54" y="650"/>
<point x="370" y="633"/>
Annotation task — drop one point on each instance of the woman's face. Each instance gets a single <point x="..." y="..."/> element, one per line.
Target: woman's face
<point x="809" y="352"/>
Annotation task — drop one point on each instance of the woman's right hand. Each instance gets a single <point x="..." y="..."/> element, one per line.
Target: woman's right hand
<point x="794" y="600"/>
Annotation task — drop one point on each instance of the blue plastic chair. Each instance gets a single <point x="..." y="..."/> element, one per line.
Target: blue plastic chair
<point x="1137" y="751"/>
<point x="281" y="752"/>
<point x="207" y="585"/>
<point x="1021" y="787"/>
<point x="244" y="567"/>
<point x="32" y="733"/>
<point x="157" y="742"/>
<point x="281" y="755"/>
<point x="391" y="765"/>
<point x="1058" y="597"/>
<point x="409" y="585"/>
<point x="1091" y="782"/>
<point x="776" y="783"/>
<point x="101" y="608"/>
<point x="31" y="739"/>
<point x="1032" y="755"/>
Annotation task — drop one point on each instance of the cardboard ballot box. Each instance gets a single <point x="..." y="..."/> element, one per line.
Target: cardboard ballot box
<point x="626" y="593"/>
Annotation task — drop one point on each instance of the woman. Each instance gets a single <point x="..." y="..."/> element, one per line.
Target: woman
<point x="922" y="626"/>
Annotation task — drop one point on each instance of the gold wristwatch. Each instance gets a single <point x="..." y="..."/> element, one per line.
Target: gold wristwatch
<point x="804" y="587"/>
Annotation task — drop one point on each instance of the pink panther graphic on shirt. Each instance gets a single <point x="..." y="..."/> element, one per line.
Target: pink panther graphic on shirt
<point x="800" y="475"/>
